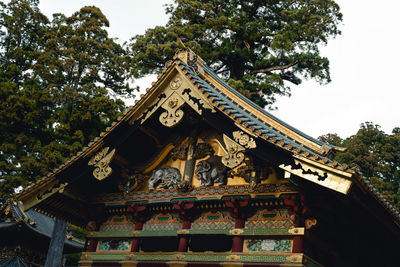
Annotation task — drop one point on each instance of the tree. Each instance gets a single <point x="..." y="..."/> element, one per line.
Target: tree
<point x="376" y="155"/>
<point x="259" y="46"/>
<point x="59" y="81"/>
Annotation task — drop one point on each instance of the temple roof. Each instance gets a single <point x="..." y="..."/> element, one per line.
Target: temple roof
<point x="246" y="115"/>
<point x="33" y="221"/>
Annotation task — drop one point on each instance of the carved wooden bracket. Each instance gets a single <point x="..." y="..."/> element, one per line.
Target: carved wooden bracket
<point x="186" y="209"/>
<point x="173" y="115"/>
<point x="101" y="161"/>
<point x="234" y="155"/>
<point x="140" y="212"/>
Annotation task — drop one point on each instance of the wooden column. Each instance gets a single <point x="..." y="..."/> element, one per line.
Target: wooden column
<point x="240" y="211"/>
<point x="296" y="206"/>
<point x="190" y="160"/>
<point x="56" y="247"/>
<point x="140" y="214"/>
<point x="97" y="217"/>
<point x="188" y="213"/>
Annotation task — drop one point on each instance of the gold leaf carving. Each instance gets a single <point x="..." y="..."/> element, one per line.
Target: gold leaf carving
<point x="182" y="232"/>
<point x="236" y="231"/>
<point x="172" y="115"/>
<point x="91" y="234"/>
<point x="234" y="155"/>
<point x="296" y="231"/>
<point x="244" y="139"/>
<point x="232" y="258"/>
<point x="179" y="257"/>
<point x="294" y="258"/>
<point x="85" y="257"/>
<point x="175" y="83"/>
<point x="130" y="257"/>
<point x="134" y="233"/>
<point x="101" y="161"/>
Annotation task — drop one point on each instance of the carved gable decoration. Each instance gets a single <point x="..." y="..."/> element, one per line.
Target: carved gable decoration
<point x="101" y="161"/>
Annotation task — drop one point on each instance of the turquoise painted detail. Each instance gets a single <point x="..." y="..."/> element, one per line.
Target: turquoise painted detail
<point x="270" y="245"/>
<point x="114" y="245"/>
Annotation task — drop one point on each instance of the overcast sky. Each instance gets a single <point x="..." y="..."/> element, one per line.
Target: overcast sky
<point x="364" y="63"/>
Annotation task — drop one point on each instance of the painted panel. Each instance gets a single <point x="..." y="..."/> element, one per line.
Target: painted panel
<point x="114" y="245"/>
<point x="161" y="222"/>
<point x="117" y="224"/>
<point x="270" y="219"/>
<point x="213" y="220"/>
<point x="270" y="245"/>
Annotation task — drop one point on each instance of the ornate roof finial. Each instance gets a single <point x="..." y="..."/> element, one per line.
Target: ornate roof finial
<point x="180" y="43"/>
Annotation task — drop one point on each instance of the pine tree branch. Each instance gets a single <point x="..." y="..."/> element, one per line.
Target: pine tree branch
<point x="275" y="68"/>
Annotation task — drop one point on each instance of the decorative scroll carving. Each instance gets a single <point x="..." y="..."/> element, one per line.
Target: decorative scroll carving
<point x="173" y="115"/>
<point x="310" y="222"/>
<point x="244" y="139"/>
<point x="166" y="178"/>
<point x="179" y="152"/>
<point x="251" y="173"/>
<point x="202" y="150"/>
<point x="130" y="181"/>
<point x="175" y="83"/>
<point x="246" y="170"/>
<point x="101" y="161"/>
<point x="234" y="154"/>
<point x="210" y="171"/>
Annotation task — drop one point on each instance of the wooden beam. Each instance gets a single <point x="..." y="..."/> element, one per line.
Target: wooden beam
<point x="56" y="247"/>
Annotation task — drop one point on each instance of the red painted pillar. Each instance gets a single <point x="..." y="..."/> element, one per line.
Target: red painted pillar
<point x="240" y="210"/>
<point x="183" y="240"/>
<point x="140" y="214"/>
<point x="135" y="240"/>
<point x="237" y="241"/>
<point x="296" y="206"/>
<point x="92" y="226"/>
<point x="92" y="245"/>
<point x="188" y="213"/>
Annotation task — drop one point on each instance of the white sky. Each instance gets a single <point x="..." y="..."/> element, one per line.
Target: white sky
<point x="364" y="63"/>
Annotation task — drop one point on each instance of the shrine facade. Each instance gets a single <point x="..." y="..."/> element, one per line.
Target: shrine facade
<point x="195" y="174"/>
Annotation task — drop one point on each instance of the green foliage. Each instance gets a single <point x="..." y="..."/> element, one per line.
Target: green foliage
<point x="260" y="46"/>
<point x="58" y="83"/>
<point x="376" y="155"/>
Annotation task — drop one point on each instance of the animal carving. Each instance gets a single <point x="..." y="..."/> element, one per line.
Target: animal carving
<point x="210" y="171"/>
<point x="166" y="178"/>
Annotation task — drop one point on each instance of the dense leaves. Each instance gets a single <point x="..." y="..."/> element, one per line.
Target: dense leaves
<point x="376" y="155"/>
<point x="259" y="46"/>
<point x="58" y="82"/>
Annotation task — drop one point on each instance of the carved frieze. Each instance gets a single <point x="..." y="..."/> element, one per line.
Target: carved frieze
<point x="173" y="114"/>
<point x="166" y="178"/>
<point x="210" y="171"/>
<point x="234" y="153"/>
<point x="202" y="150"/>
<point x="101" y="161"/>
<point x="244" y="139"/>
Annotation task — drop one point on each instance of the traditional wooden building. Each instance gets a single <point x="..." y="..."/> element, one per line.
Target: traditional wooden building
<point x="195" y="174"/>
<point x="25" y="237"/>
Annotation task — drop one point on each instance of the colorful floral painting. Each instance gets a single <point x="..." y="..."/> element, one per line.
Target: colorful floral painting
<point x="271" y="245"/>
<point x="114" y="245"/>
